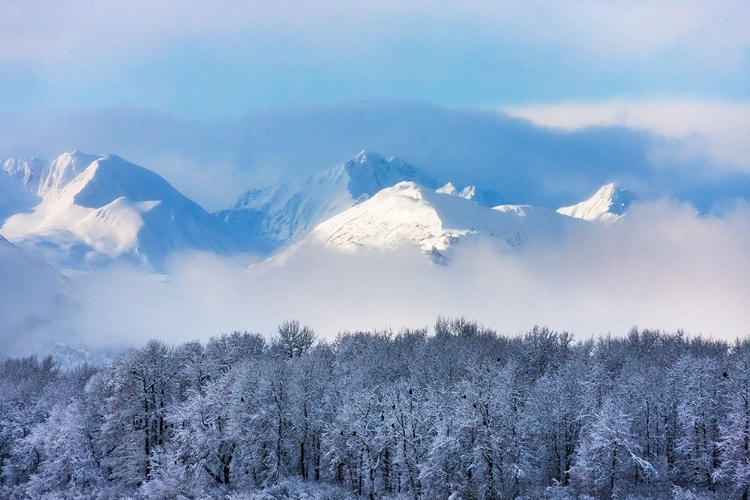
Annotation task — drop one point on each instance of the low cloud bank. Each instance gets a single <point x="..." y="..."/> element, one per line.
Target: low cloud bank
<point x="662" y="267"/>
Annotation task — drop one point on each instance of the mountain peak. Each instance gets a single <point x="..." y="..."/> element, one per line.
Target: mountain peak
<point x="110" y="177"/>
<point x="285" y="212"/>
<point x="486" y="198"/>
<point x="410" y="215"/>
<point x="370" y="172"/>
<point x="448" y="188"/>
<point x="62" y="171"/>
<point x="23" y="175"/>
<point x="366" y="156"/>
<point x="76" y="157"/>
<point x="608" y="204"/>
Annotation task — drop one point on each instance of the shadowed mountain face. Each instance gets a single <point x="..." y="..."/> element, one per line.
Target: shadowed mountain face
<point x="34" y="299"/>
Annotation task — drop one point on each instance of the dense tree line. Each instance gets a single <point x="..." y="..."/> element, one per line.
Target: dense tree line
<point x="461" y="413"/>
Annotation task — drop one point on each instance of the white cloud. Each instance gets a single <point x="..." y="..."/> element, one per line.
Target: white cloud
<point x="67" y="30"/>
<point x="64" y="30"/>
<point x="713" y="129"/>
<point x="713" y="34"/>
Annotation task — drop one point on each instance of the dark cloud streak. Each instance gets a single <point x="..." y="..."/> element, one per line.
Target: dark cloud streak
<point x="214" y="161"/>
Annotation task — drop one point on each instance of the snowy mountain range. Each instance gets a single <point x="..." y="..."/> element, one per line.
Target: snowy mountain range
<point x="82" y="212"/>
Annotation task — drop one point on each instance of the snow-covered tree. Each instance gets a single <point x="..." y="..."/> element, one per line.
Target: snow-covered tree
<point x="293" y="339"/>
<point x="145" y="383"/>
<point x="699" y="392"/>
<point x="609" y="460"/>
<point x="734" y="470"/>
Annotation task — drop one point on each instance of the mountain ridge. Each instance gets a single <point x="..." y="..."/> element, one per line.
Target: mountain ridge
<point x="434" y="222"/>
<point x="93" y="210"/>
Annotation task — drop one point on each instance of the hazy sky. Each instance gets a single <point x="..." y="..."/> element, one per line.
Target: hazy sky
<point x="225" y="58"/>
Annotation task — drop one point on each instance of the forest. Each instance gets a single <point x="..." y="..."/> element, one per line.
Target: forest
<point x="455" y="411"/>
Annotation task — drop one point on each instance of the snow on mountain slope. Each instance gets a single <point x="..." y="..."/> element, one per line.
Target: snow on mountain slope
<point x="408" y="214"/>
<point x="608" y="204"/>
<point x="23" y="175"/>
<point x="112" y="209"/>
<point x="62" y="171"/>
<point x="484" y="197"/>
<point x="286" y="212"/>
<point x="25" y="182"/>
<point x="19" y="184"/>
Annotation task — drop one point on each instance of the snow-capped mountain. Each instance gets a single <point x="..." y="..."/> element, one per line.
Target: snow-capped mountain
<point x="608" y="204"/>
<point x="286" y="212"/>
<point x="410" y="215"/>
<point x="62" y="171"/>
<point x="94" y="210"/>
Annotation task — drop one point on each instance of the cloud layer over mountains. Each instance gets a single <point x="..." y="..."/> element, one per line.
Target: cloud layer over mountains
<point x="661" y="265"/>
<point x="213" y="162"/>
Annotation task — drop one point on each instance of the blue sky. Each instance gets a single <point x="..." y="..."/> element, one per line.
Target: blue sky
<point x="179" y="86"/>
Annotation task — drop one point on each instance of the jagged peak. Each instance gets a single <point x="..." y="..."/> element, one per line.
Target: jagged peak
<point x="25" y="170"/>
<point x="608" y="204"/>
<point x="367" y="156"/>
<point x="374" y="161"/>
<point x="448" y="188"/>
<point x="469" y="192"/>
<point x="62" y="171"/>
<point x="486" y="198"/>
<point x="19" y="163"/>
<point x="369" y="172"/>
<point x="75" y="157"/>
